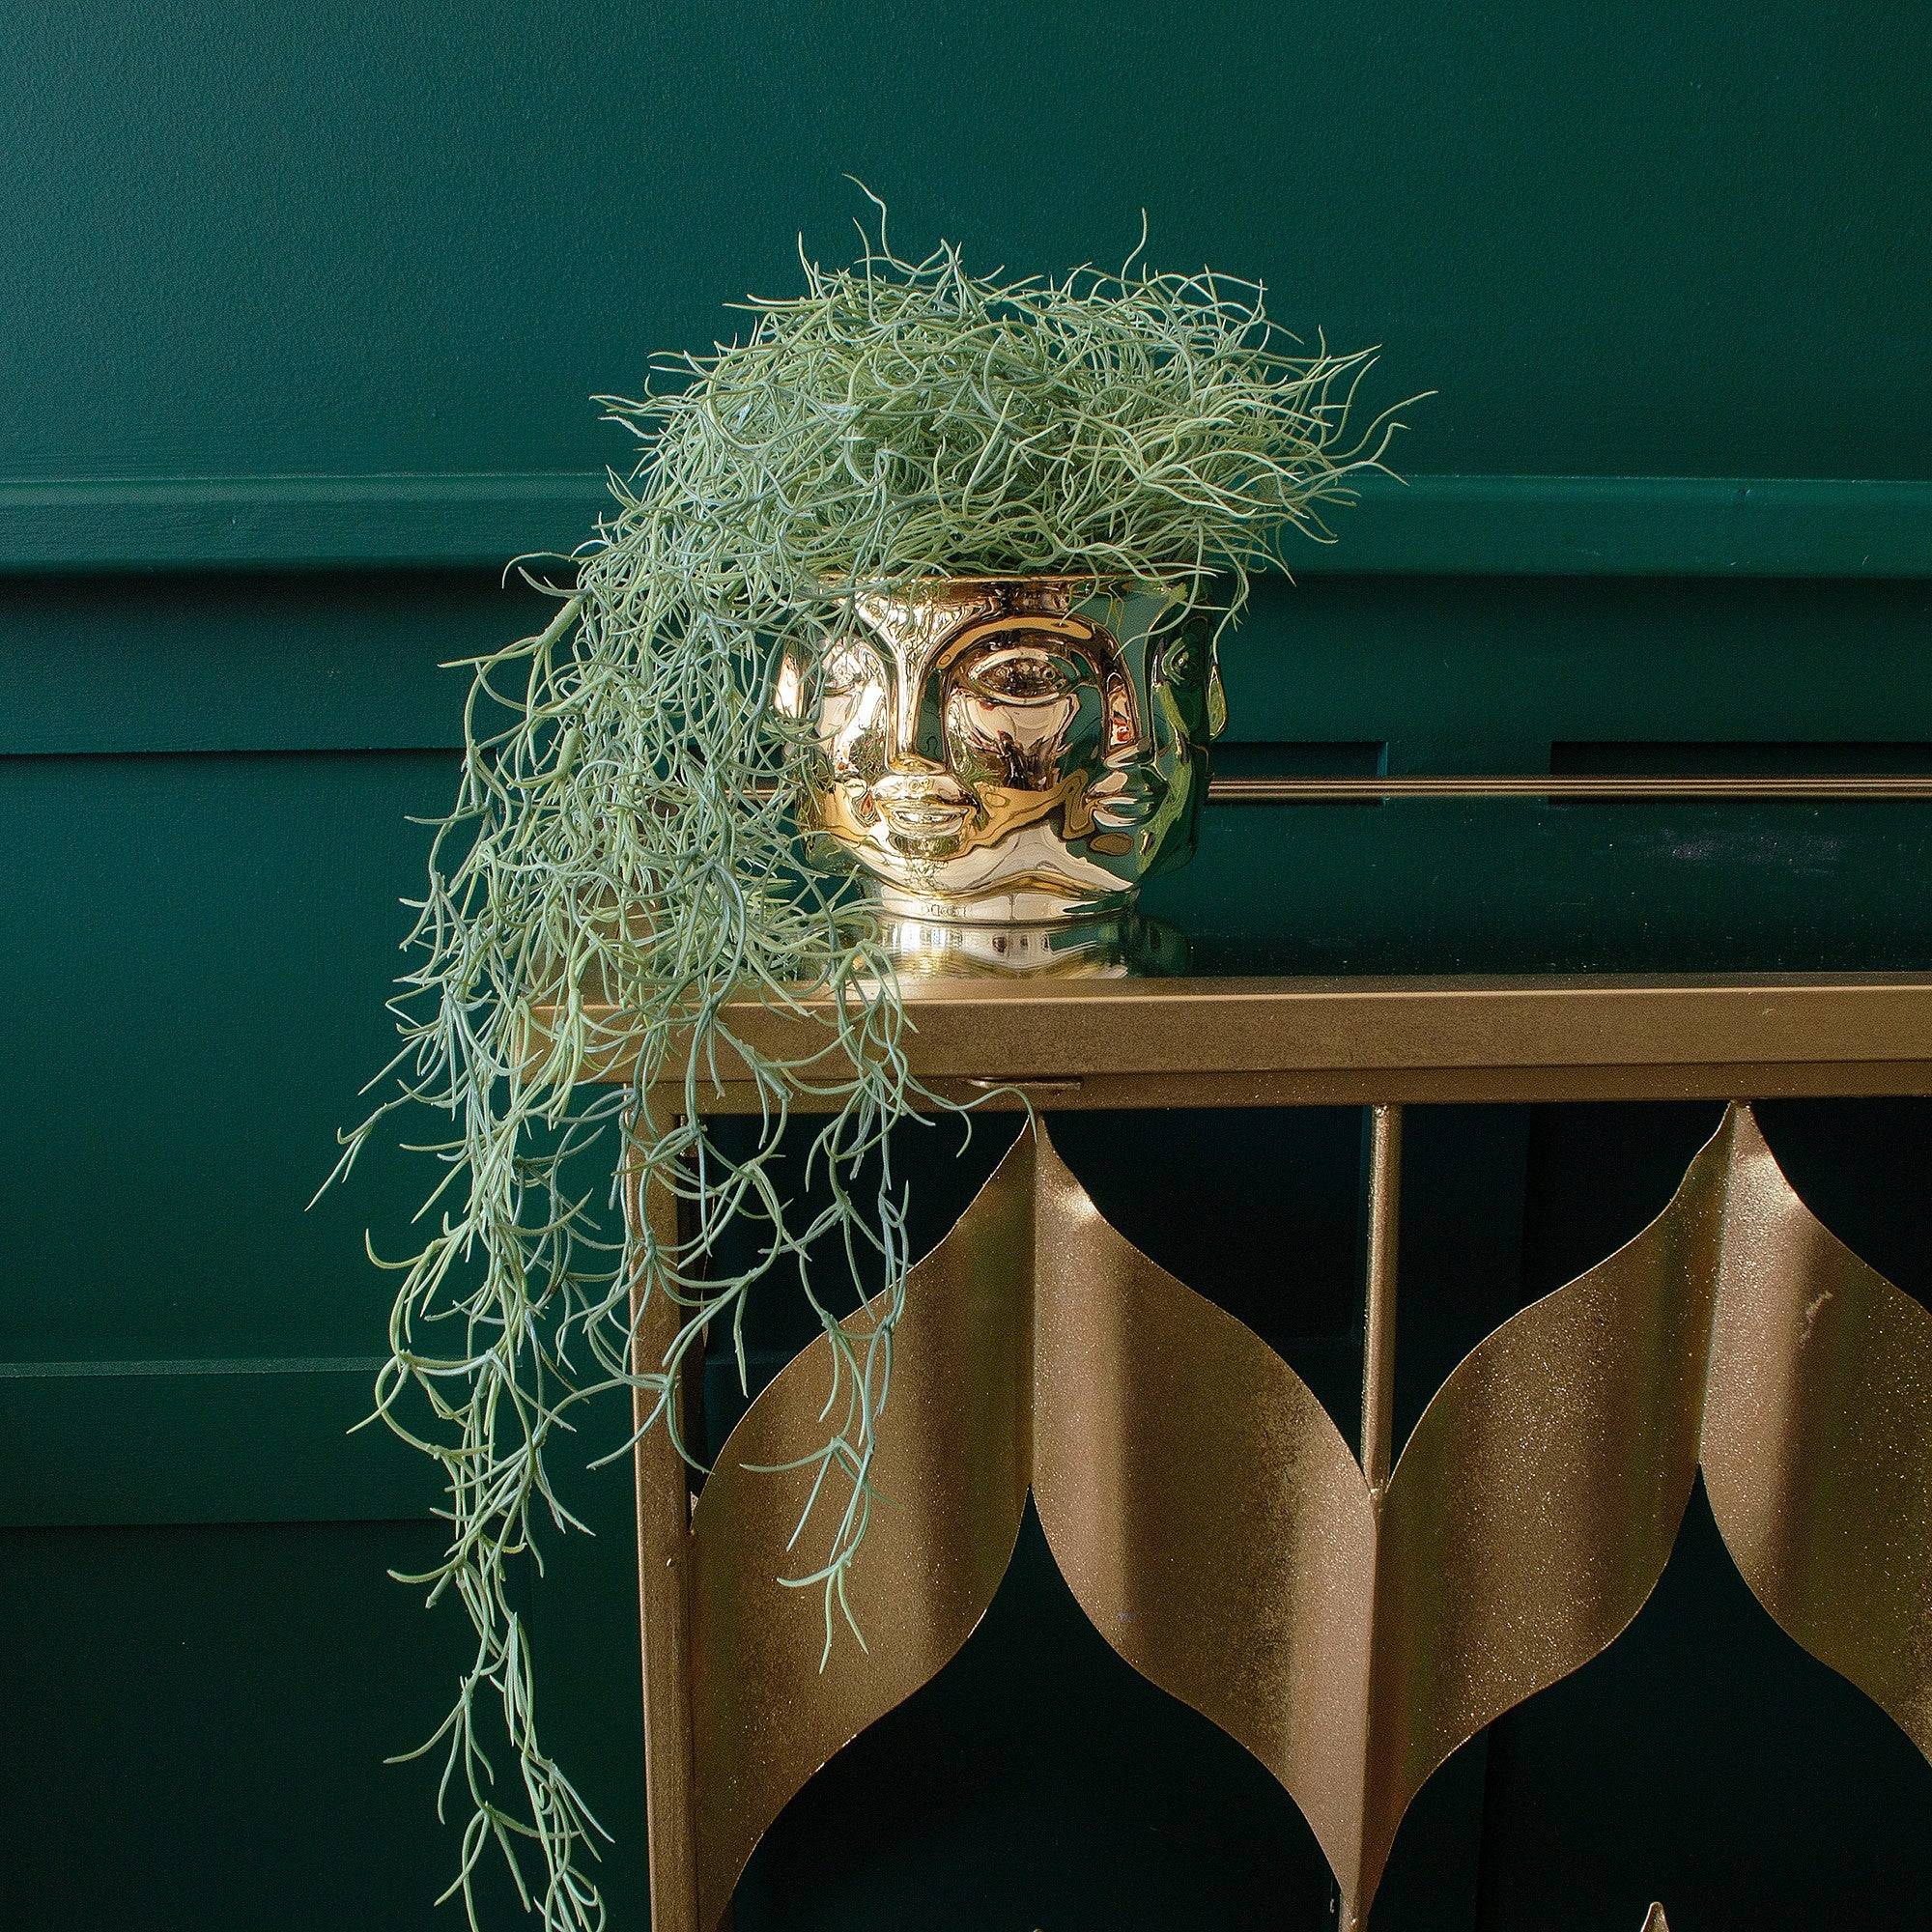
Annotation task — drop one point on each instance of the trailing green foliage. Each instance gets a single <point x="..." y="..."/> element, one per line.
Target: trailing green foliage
<point x="621" y="853"/>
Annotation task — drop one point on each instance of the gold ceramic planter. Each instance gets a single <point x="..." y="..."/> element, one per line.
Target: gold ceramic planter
<point x="1010" y="751"/>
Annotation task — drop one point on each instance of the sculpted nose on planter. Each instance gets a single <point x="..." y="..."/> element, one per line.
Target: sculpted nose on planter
<point x="909" y="743"/>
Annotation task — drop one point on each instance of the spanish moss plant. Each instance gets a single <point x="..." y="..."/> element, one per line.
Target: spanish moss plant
<point x="622" y="852"/>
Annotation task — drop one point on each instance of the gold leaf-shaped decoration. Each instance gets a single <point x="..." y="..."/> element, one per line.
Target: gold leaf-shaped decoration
<point x="1817" y="1441"/>
<point x="954" y="1459"/>
<point x="1217" y="1530"/>
<point x="1206" y="1513"/>
<point x="1537" y="1499"/>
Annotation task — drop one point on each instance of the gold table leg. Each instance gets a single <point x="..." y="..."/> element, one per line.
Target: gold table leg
<point x="663" y="1551"/>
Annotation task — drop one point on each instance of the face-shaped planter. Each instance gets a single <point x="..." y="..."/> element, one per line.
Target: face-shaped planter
<point x="1010" y="751"/>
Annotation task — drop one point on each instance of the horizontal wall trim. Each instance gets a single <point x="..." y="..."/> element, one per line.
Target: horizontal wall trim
<point x="1465" y="526"/>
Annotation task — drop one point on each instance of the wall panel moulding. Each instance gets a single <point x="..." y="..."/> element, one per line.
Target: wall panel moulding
<point x="1509" y="526"/>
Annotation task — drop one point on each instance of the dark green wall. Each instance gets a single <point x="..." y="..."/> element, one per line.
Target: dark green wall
<point x="303" y="237"/>
<point x="303" y="306"/>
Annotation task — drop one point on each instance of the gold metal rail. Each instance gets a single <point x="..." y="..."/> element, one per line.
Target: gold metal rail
<point x="1570" y="786"/>
<point x="1581" y="787"/>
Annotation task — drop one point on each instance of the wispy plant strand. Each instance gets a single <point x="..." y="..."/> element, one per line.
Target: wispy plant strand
<point x="621" y="857"/>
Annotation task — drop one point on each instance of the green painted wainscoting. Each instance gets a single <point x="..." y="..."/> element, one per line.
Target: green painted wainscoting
<point x="302" y="308"/>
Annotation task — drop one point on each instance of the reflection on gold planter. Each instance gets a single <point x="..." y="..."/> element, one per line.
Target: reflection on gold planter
<point x="1011" y="750"/>
<point x="1118" y="946"/>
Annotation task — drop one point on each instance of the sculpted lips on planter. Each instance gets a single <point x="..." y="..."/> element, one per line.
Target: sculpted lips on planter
<point x="1010" y="751"/>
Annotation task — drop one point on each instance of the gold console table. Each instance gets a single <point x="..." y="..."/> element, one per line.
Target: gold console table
<point x="1350" y="1624"/>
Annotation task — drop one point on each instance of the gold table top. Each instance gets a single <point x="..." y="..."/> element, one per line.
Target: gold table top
<point x="1220" y="1041"/>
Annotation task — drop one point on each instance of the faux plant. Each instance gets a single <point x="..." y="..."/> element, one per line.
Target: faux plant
<point x="624" y="827"/>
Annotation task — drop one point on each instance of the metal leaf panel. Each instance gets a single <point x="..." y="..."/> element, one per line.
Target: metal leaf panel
<point x="1221" y="1534"/>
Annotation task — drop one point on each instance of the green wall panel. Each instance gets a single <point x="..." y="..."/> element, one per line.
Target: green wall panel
<point x="197" y="961"/>
<point x="199" y="663"/>
<point x="199" y="1740"/>
<point x="1475" y="674"/>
